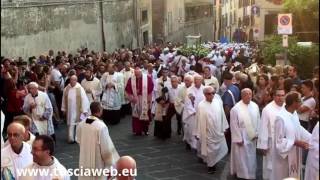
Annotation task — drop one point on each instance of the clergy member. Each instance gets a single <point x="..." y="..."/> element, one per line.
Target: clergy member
<point x="173" y="94"/>
<point x="44" y="161"/>
<point x="17" y="155"/>
<point x="111" y="99"/>
<point x="209" y="79"/>
<point x="193" y="98"/>
<point x="244" y="125"/>
<point x="38" y="106"/>
<point x="312" y="165"/>
<point x="91" y="85"/>
<point x="127" y="72"/>
<point x="75" y="105"/>
<point x="127" y="167"/>
<point x="97" y="150"/>
<point x="139" y="90"/>
<point x="266" y="130"/>
<point x="2" y="124"/>
<point x="162" y="124"/>
<point x="211" y="126"/>
<point x="290" y="138"/>
<point x="180" y="100"/>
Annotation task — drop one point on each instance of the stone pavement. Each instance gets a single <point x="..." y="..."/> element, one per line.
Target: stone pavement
<point x="156" y="159"/>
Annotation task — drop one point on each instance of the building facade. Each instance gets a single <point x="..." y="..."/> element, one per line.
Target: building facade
<point x="143" y="21"/>
<point x="32" y="27"/>
<point x="246" y="20"/>
<point x="173" y="20"/>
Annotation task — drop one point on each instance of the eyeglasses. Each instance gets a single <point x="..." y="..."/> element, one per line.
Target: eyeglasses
<point x="210" y="93"/>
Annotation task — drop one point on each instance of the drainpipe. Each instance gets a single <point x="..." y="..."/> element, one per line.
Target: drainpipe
<point x="136" y="21"/>
<point x="102" y="26"/>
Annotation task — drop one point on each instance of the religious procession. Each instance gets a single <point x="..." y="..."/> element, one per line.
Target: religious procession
<point x="222" y="103"/>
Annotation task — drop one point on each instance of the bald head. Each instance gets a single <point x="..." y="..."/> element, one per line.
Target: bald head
<point x="246" y="95"/>
<point x="208" y="89"/>
<point x="188" y="80"/>
<point x="197" y="80"/>
<point x="17" y="127"/>
<point x="126" y="163"/>
<point x="15" y="133"/>
<point x="73" y="80"/>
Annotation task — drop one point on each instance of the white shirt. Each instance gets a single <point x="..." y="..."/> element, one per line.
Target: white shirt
<point x="55" y="171"/>
<point x="173" y="94"/>
<point x="57" y="76"/>
<point x="10" y="161"/>
<point x="311" y="104"/>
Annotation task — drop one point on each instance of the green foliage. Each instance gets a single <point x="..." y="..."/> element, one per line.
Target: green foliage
<point x="306" y="58"/>
<point x="198" y="51"/>
<point x="307" y="7"/>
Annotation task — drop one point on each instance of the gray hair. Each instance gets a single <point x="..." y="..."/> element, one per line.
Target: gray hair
<point x="196" y="76"/>
<point x="174" y="77"/>
<point x="207" y="89"/>
<point x="34" y="84"/>
<point x="187" y="76"/>
<point x="245" y="91"/>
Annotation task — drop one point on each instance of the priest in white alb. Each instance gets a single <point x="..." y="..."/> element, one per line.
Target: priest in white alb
<point x="75" y="105"/>
<point x="266" y="130"/>
<point x="312" y="164"/>
<point x="127" y="72"/>
<point x="209" y="79"/>
<point x="17" y="155"/>
<point x="97" y="150"/>
<point x="244" y="125"/>
<point x="211" y="125"/>
<point x="37" y="105"/>
<point x="193" y="98"/>
<point x="111" y="82"/>
<point x="91" y="85"/>
<point x="290" y="138"/>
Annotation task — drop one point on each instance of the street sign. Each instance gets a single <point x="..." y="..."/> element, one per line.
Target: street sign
<point x="255" y="10"/>
<point x="284" y="40"/>
<point x="284" y="23"/>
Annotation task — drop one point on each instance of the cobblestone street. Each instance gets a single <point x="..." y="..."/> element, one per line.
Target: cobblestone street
<point x="156" y="159"/>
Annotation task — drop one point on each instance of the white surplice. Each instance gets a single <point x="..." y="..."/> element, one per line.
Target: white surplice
<point x="266" y="134"/>
<point x="244" y="123"/>
<point x="95" y="87"/>
<point x="43" y="109"/>
<point x="189" y="114"/>
<point x="211" y="125"/>
<point x="126" y="76"/>
<point x="11" y="162"/>
<point x="2" y="124"/>
<point x="286" y="157"/>
<point x="96" y="147"/>
<point x="213" y="82"/>
<point x="179" y="100"/>
<point x="312" y="164"/>
<point x="111" y="97"/>
<point x="71" y="107"/>
<point x="56" y="171"/>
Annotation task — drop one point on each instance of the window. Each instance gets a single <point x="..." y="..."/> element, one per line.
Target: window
<point x="145" y="38"/>
<point x="144" y="16"/>
<point x="198" y="12"/>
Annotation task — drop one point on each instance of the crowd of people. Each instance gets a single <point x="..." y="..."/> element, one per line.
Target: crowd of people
<point x="225" y="102"/>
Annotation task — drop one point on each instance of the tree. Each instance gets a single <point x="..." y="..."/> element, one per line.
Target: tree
<point x="305" y="18"/>
<point x="306" y="58"/>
